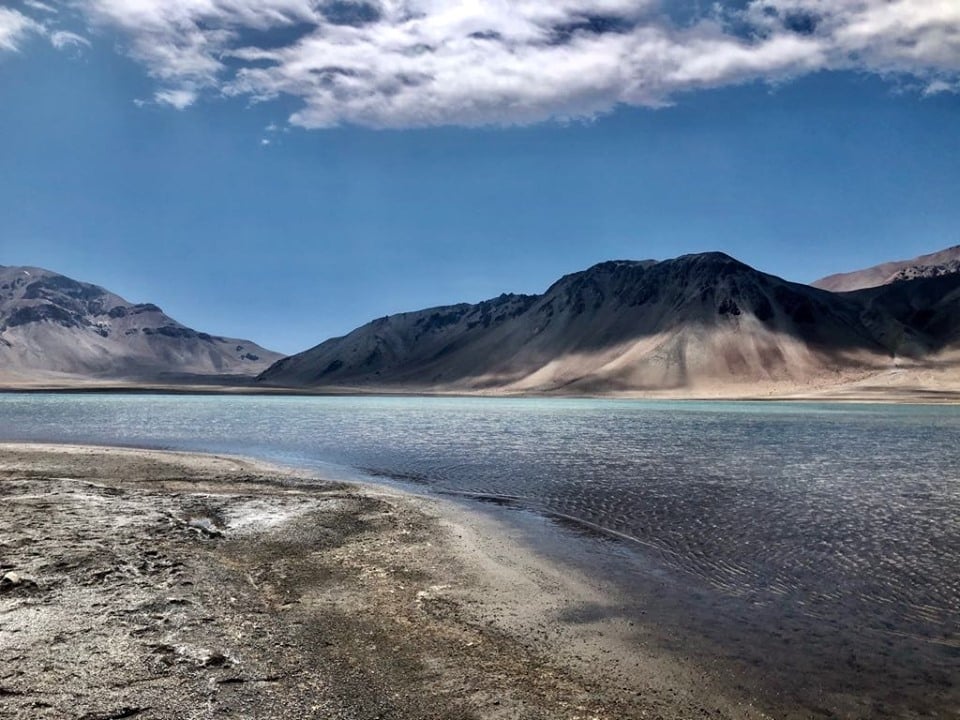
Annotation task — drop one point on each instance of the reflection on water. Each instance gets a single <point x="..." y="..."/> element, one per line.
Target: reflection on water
<point x="839" y="510"/>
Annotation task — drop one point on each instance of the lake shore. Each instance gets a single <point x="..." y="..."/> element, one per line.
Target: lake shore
<point x="167" y="585"/>
<point x="861" y="392"/>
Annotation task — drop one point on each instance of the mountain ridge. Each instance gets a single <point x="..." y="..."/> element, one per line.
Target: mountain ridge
<point x="696" y="321"/>
<point x="935" y="264"/>
<point x="54" y="326"/>
<point x="702" y="324"/>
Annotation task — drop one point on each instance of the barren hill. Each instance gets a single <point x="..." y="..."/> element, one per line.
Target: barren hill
<point x="54" y="327"/>
<point x="944" y="262"/>
<point x="696" y="322"/>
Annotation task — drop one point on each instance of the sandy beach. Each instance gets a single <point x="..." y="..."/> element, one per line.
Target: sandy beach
<point x="168" y="585"/>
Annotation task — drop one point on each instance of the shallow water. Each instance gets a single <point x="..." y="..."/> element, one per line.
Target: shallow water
<point x="835" y="511"/>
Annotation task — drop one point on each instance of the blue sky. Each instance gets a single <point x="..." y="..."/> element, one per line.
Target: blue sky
<point x="185" y="158"/>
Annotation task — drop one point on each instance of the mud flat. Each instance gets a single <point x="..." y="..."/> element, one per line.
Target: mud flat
<point x="166" y="585"/>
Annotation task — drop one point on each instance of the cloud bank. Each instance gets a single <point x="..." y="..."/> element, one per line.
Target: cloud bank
<point x="414" y="63"/>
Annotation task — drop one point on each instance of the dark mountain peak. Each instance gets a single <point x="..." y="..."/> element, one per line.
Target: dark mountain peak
<point x="708" y="280"/>
<point x="602" y="272"/>
<point x="709" y="256"/>
<point x="713" y="261"/>
<point x="705" y="262"/>
<point x="636" y="325"/>
<point x="609" y="266"/>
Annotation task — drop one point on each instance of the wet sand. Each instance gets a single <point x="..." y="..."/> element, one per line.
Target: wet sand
<point x="168" y="585"/>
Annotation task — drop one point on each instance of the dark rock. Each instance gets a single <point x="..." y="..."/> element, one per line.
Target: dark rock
<point x="143" y="308"/>
<point x="728" y="307"/>
<point x="332" y="367"/>
<point x="47" y="312"/>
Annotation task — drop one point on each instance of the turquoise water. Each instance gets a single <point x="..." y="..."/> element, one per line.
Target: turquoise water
<point x="824" y="504"/>
<point x="837" y="522"/>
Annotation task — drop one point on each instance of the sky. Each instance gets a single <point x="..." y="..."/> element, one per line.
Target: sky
<point x="287" y="170"/>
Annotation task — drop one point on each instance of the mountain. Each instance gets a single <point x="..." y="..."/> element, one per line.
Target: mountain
<point x="52" y="327"/>
<point x="944" y="262"/>
<point x="929" y="306"/>
<point x="695" y="323"/>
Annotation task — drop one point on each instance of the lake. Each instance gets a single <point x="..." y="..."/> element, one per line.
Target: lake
<point x="838" y="522"/>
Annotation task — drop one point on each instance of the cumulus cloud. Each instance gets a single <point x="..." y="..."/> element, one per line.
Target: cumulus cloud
<point x="409" y="63"/>
<point x="14" y="27"/>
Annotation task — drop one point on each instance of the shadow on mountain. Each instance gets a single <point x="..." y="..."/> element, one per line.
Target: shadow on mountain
<point x="59" y="330"/>
<point x="625" y="325"/>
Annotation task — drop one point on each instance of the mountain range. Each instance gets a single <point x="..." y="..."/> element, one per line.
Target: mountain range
<point x="697" y="325"/>
<point x="57" y="330"/>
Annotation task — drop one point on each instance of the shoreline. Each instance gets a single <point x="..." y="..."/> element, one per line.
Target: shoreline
<point x="839" y="395"/>
<point x="261" y="591"/>
<point x="266" y="591"/>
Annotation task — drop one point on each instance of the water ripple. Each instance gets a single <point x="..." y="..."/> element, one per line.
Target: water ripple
<point x="841" y="511"/>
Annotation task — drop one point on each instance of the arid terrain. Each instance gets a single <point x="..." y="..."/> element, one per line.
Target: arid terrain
<point x="157" y="585"/>
<point x="943" y="262"/>
<point x="696" y="326"/>
<point x="702" y="325"/>
<point x="58" y="331"/>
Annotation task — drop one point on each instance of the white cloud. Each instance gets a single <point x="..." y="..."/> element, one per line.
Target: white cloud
<point x="14" y="27"/>
<point x="41" y="6"/>
<point x="940" y="86"/>
<point x="404" y="63"/>
<point x="63" y="39"/>
<point x="179" y="98"/>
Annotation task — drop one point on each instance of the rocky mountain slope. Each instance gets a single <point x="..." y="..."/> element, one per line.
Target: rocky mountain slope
<point x="697" y="322"/>
<point x="54" y="327"/>
<point x="944" y="262"/>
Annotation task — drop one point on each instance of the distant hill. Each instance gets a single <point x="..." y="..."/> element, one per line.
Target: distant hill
<point x="698" y="322"/>
<point x="928" y="306"/>
<point x="54" y="327"/>
<point x="944" y="262"/>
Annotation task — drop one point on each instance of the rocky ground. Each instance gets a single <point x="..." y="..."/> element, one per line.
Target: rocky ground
<point x="159" y="585"/>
